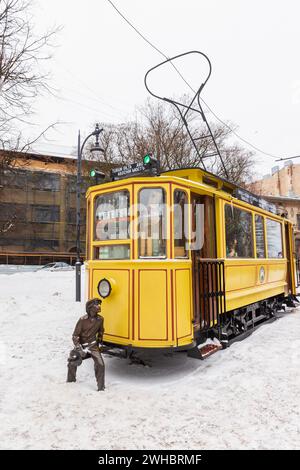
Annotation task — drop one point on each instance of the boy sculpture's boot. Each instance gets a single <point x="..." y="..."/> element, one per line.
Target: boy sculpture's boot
<point x="99" y="368"/>
<point x="74" y="360"/>
<point x="71" y="372"/>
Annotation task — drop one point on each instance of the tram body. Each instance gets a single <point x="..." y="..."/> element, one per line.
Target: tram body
<point x="160" y="293"/>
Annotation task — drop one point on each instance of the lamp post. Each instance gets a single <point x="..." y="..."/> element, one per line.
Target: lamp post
<point x="95" y="148"/>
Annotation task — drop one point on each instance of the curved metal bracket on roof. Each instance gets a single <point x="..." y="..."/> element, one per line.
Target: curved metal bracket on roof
<point x="183" y="108"/>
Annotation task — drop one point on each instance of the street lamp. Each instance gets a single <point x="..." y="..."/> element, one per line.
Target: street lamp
<point x="95" y="148"/>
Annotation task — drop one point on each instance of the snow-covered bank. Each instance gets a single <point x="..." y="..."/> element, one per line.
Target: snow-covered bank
<point x="246" y="397"/>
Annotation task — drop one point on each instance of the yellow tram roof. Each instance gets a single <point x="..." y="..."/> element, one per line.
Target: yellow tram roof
<point x="195" y="179"/>
<point x="192" y="175"/>
<point x="198" y="175"/>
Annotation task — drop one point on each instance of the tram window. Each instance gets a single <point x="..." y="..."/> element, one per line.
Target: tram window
<point x="274" y="238"/>
<point x="112" y="252"/>
<point x="239" y="235"/>
<point x="260" y="237"/>
<point x="112" y="216"/>
<point x="152" y="223"/>
<point x="180" y="224"/>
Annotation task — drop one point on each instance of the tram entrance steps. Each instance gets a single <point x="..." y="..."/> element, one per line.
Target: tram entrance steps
<point x="202" y="351"/>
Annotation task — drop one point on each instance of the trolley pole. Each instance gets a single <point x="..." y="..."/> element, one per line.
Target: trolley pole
<point x="95" y="148"/>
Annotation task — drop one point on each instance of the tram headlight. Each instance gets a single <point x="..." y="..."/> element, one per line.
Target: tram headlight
<point x="104" y="288"/>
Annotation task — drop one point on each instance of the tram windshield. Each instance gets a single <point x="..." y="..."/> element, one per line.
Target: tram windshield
<point x="152" y="223"/>
<point x="112" y="216"/>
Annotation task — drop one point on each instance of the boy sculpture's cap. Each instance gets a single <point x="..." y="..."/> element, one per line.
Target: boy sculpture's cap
<point x="92" y="302"/>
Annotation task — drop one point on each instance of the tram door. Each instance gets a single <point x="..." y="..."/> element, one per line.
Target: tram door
<point x="203" y="244"/>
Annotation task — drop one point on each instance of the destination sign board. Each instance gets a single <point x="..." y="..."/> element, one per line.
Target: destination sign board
<point x="127" y="171"/>
<point x="255" y="200"/>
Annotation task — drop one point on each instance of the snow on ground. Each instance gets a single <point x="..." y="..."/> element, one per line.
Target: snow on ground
<point x="245" y="397"/>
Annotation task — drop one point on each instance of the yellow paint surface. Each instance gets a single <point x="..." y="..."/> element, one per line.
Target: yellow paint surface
<point x="153" y="305"/>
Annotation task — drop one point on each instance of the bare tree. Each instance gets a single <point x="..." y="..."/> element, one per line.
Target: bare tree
<point x="239" y="164"/>
<point x="22" y="77"/>
<point x="159" y="129"/>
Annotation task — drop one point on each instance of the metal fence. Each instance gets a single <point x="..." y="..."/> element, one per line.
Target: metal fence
<point x="37" y="258"/>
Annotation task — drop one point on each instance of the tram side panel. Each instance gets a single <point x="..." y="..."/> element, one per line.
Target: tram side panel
<point x="149" y="305"/>
<point x="183" y="313"/>
<point x="153" y="307"/>
<point x="116" y="307"/>
<point x="252" y="279"/>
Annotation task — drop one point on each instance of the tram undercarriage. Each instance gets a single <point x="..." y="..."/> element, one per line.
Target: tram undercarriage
<point x="234" y="326"/>
<point x="241" y="323"/>
<point x="243" y="320"/>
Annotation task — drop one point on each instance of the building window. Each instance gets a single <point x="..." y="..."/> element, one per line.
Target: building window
<point x="45" y="214"/>
<point x="112" y="216"/>
<point x="13" y="212"/>
<point x="180" y="224"/>
<point x="297" y="246"/>
<point x="14" y="178"/>
<point x="239" y="234"/>
<point x="41" y="244"/>
<point x="152" y="223"/>
<point x="298" y="221"/>
<point x="260" y="237"/>
<point x="274" y="238"/>
<point x="72" y="216"/>
<point x="43" y="181"/>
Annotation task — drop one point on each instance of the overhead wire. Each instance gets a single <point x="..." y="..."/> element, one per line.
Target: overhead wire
<point x="98" y="100"/>
<point x="186" y="82"/>
<point x="94" y="110"/>
<point x="94" y="94"/>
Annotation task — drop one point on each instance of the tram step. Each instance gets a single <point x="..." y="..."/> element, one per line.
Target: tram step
<point x="204" y="351"/>
<point x="296" y="299"/>
<point x="287" y="308"/>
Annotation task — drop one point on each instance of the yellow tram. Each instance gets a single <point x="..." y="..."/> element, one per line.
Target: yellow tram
<point x="172" y="291"/>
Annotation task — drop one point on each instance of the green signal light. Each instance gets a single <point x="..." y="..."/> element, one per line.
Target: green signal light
<point x="92" y="173"/>
<point x="147" y="159"/>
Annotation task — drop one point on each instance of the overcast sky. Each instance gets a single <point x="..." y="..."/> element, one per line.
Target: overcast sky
<point x="100" y="62"/>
